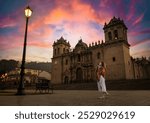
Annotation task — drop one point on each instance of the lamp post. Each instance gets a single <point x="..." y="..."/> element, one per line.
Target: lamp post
<point x="21" y="91"/>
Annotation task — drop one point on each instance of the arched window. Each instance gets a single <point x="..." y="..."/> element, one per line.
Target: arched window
<point x="87" y="57"/>
<point x="55" y="52"/>
<point x="79" y="58"/>
<point x="116" y="34"/>
<point x="98" y="55"/>
<point x="79" y="75"/>
<point x="58" y="50"/>
<point x="109" y="35"/>
<point x="63" y="50"/>
<point x="114" y="59"/>
<point x="66" y="80"/>
<point x="67" y="50"/>
<point x="66" y="61"/>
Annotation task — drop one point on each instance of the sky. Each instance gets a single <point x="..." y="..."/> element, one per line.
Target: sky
<point x="72" y="19"/>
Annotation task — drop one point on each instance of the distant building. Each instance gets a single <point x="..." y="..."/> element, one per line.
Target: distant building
<point x="80" y="64"/>
<point x="45" y="75"/>
<point x="30" y="75"/>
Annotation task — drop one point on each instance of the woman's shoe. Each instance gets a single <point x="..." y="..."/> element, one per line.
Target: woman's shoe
<point x="106" y="93"/>
<point x="101" y="97"/>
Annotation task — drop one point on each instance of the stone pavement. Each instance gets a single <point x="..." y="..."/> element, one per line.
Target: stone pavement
<point x="75" y="98"/>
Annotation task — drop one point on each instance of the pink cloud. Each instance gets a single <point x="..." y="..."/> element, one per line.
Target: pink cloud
<point x="140" y="42"/>
<point x="104" y="3"/>
<point x="77" y="12"/>
<point x="36" y="24"/>
<point x="77" y="15"/>
<point x="39" y="44"/>
<point x="71" y="19"/>
<point x="16" y="18"/>
<point x="73" y="11"/>
<point x="7" y="22"/>
<point x="141" y="53"/>
<point x="11" y="41"/>
<point x="16" y="40"/>
<point x="40" y="33"/>
<point x="140" y="32"/>
<point x="132" y="10"/>
<point x="78" y="31"/>
<point x="138" y="19"/>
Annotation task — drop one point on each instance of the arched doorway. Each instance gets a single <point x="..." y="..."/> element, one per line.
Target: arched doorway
<point x="79" y="75"/>
<point x="66" y="80"/>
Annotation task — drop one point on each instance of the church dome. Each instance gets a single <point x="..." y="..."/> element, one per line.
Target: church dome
<point x="81" y="45"/>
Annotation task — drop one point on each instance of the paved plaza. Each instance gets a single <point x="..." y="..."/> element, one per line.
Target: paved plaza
<point x="75" y="98"/>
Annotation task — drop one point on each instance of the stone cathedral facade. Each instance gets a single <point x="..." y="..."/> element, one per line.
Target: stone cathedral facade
<point x="79" y="64"/>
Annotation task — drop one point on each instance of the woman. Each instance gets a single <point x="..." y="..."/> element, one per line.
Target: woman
<point x="101" y="71"/>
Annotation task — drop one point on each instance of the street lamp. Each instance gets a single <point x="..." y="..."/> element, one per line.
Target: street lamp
<point x="21" y="91"/>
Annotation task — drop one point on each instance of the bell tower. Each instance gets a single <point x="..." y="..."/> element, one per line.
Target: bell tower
<point x="115" y="31"/>
<point x="117" y="50"/>
<point x="60" y="47"/>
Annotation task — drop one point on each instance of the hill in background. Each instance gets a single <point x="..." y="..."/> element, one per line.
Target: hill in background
<point x="8" y="65"/>
<point x="44" y="66"/>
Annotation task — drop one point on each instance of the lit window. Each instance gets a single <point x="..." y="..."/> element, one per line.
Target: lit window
<point x="116" y="34"/>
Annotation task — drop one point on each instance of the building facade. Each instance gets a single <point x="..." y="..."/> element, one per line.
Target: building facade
<point x="79" y="64"/>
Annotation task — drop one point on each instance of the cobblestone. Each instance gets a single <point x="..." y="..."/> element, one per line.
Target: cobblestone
<point x="76" y="98"/>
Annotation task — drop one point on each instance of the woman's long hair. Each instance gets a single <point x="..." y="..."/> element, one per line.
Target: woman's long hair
<point x="102" y="64"/>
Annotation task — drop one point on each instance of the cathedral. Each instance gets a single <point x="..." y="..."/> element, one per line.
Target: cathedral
<point x="79" y="65"/>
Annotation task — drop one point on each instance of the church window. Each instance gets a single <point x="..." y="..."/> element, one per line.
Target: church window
<point x="55" y="52"/>
<point x="67" y="50"/>
<point x="66" y="61"/>
<point x="98" y="55"/>
<point x="58" y="50"/>
<point x="79" y="58"/>
<point x="63" y="50"/>
<point x="71" y="59"/>
<point x="109" y="36"/>
<point x="87" y="58"/>
<point x="116" y="34"/>
<point x="114" y="59"/>
<point x="66" y="80"/>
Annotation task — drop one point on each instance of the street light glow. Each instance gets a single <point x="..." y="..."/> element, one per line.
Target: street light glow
<point x="28" y="12"/>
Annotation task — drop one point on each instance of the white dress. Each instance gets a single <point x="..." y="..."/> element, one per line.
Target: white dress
<point x="101" y="84"/>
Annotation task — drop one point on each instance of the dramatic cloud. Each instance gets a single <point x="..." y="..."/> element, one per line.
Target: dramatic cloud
<point x="138" y="20"/>
<point x="72" y="19"/>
